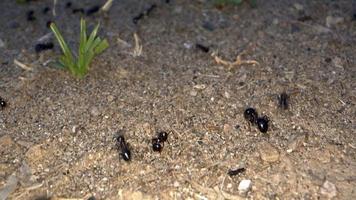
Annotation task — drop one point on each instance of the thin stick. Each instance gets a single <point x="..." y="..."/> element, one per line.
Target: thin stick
<point x="54" y="7"/>
<point x="237" y="62"/>
<point x="107" y="5"/>
<point x="138" y="47"/>
<point x="23" y="66"/>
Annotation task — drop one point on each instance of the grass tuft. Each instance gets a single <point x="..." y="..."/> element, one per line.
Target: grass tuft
<point x="89" y="47"/>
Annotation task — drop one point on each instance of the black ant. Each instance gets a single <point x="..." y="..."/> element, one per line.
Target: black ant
<point x="163" y="136"/>
<point x="158" y="142"/>
<point x="283" y="99"/>
<point x="138" y="17"/>
<point x="43" y="47"/>
<point x="2" y="103"/>
<point x="236" y="171"/>
<point x="251" y="115"/>
<point x="262" y="124"/>
<point x="68" y="4"/>
<point x="125" y="151"/>
<point x="78" y="10"/>
<point x="92" y="10"/>
<point x="30" y="15"/>
<point x="156" y="145"/>
<point x="144" y="13"/>
<point x="45" y="10"/>
<point x="203" y="48"/>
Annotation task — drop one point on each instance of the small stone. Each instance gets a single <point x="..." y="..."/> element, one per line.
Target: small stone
<point x="275" y="21"/>
<point x="321" y="29"/>
<point x="227" y="95"/>
<point x="244" y="186"/>
<point x="268" y="153"/>
<point x="227" y="128"/>
<point x="331" y="20"/>
<point x="187" y="45"/>
<point x="74" y="129"/>
<point x="200" y="86"/>
<point x="298" y="7"/>
<point x="176" y="184"/>
<point x="110" y="98"/>
<point x="328" y="189"/>
<point x="208" y="26"/>
<point x="338" y="62"/>
<point x="193" y="93"/>
<point x="94" y="111"/>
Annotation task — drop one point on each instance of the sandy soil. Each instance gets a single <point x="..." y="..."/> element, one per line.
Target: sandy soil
<point x="57" y="134"/>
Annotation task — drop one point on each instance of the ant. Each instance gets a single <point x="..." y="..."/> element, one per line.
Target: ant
<point x="43" y="47"/>
<point x="201" y="47"/>
<point x="251" y="115"/>
<point x="30" y="15"/>
<point x="92" y="10"/>
<point x="156" y="145"/>
<point x="125" y="151"/>
<point x="144" y="13"/>
<point x="68" y="4"/>
<point x="283" y="100"/>
<point x="45" y="10"/>
<point x="158" y="142"/>
<point x="236" y="171"/>
<point x="2" y="103"/>
<point x="262" y="124"/>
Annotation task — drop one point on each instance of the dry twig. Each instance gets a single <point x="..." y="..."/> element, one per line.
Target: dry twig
<point x="23" y="66"/>
<point x="138" y="47"/>
<point x="106" y="7"/>
<point x="237" y="62"/>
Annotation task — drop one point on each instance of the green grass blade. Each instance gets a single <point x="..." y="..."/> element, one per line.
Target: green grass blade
<point x="88" y="49"/>
<point x="104" y="44"/>
<point x="91" y="38"/>
<point x="63" y="44"/>
<point x="83" y="35"/>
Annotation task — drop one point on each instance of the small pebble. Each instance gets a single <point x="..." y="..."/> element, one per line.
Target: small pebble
<point x="227" y="128"/>
<point x="110" y="98"/>
<point x="244" y="186"/>
<point x="332" y="21"/>
<point x="328" y="189"/>
<point x="94" y="111"/>
<point x="208" y="26"/>
<point x="193" y="93"/>
<point x="199" y="86"/>
<point x="176" y="184"/>
<point x="268" y="153"/>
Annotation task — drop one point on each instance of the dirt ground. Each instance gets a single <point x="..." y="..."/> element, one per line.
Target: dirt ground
<point x="57" y="133"/>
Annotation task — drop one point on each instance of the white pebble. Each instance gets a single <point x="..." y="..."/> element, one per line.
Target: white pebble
<point x="244" y="186"/>
<point x="328" y="189"/>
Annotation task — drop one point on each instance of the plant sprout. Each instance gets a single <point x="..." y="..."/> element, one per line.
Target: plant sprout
<point x="89" y="47"/>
